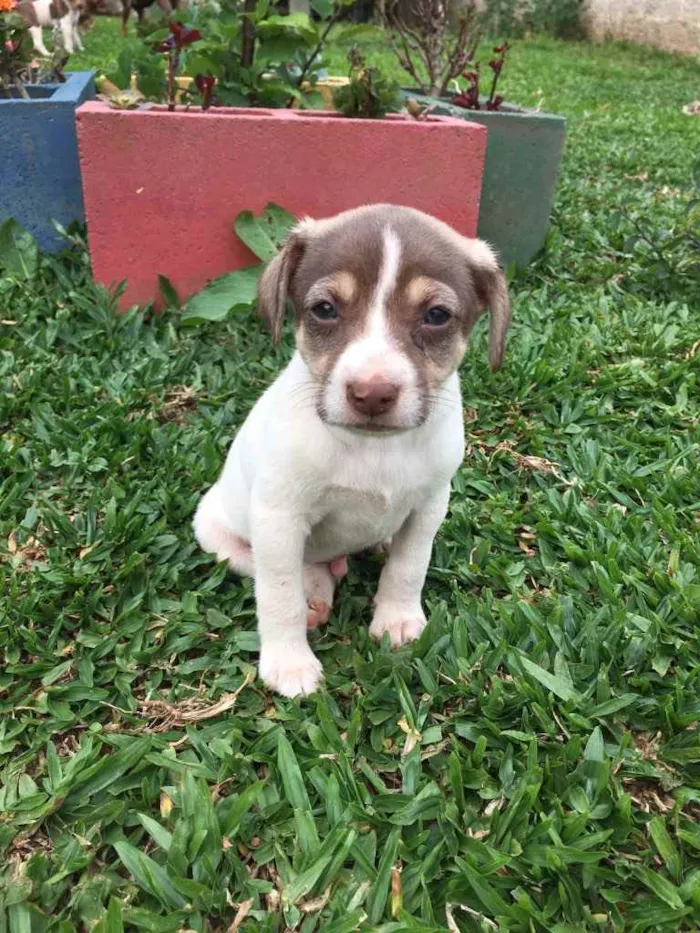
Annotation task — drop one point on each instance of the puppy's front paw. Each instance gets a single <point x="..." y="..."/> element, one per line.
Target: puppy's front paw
<point x="290" y="670"/>
<point x="404" y="624"/>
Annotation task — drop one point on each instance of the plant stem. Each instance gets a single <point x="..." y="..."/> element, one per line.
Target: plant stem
<point x="493" y="87"/>
<point x="172" y="55"/>
<point x="314" y="55"/>
<point x="248" y="34"/>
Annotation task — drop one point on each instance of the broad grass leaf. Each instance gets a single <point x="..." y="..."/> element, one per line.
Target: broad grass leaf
<point x="158" y="833"/>
<point x="379" y="892"/>
<point x="19" y="253"/>
<point x="149" y="875"/>
<point x="661" y="887"/>
<point x="559" y="686"/>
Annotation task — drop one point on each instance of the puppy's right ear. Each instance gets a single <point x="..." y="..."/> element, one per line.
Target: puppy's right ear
<point x="275" y="281"/>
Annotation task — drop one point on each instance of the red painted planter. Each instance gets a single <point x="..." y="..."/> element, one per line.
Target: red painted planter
<point x="162" y="189"/>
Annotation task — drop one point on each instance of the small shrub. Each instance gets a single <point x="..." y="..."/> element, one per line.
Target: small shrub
<point x="369" y="95"/>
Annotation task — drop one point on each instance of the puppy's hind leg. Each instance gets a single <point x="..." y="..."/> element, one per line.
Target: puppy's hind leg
<point x="215" y="538"/>
<point x="319" y="584"/>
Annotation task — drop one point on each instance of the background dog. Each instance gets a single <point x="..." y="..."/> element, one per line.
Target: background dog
<point x="61" y="14"/>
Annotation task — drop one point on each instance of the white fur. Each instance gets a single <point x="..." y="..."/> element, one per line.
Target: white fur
<point x="67" y="24"/>
<point x="304" y="493"/>
<point x="374" y="353"/>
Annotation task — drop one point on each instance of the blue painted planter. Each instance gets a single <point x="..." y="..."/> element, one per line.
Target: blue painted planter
<point x="39" y="168"/>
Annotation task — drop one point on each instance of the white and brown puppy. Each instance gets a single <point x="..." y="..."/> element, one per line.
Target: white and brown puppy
<point x="357" y="441"/>
<point x="61" y="14"/>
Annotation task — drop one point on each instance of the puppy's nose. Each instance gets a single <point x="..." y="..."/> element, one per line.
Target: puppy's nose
<point x="374" y="396"/>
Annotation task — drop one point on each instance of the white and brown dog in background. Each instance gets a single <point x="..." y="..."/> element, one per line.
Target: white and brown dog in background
<point x="63" y="15"/>
<point x="357" y="441"/>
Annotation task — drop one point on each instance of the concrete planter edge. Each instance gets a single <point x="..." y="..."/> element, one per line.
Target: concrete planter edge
<point x="39" y="158"/>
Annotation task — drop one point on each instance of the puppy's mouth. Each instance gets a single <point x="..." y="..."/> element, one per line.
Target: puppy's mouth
<point x="370" y="429"/>
<point x="379" y="426"/>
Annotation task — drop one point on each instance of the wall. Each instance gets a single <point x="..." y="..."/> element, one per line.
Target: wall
<point x="668" y="24"/>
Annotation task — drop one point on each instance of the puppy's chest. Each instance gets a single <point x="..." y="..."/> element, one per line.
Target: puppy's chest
<point x="350" y="519"/>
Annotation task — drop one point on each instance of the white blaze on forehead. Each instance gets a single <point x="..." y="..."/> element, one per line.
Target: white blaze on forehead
<point x="375" y="352"/>
<point x="375" y="341"/>
<point x="388" y="275"/>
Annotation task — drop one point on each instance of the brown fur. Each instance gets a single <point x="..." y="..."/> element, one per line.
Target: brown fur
<point x="339" y="260"/>
<point x="26" y="10"/>
<point x="58" y="9"/>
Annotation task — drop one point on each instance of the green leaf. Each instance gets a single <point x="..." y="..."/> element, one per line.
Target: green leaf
<point x="660" y="886"/>
<point x="379" y="892"/>
<point x="666" y="848"/>
<point x="113" y="918"/>
<point x="595" y="748"/>
<point x="484" y="890"/>
<point x="168" y="293"/>
<point x="236" y="808"/>
<point x="292" y="780"/>
<point x="20" y="918"/>
<point x="614" y="705"/>
<point x="108" y="770"/>
<point x="557" y="685"/>
<point x="158" y="833"/>
<point x="149" y="875"/>
<point x="339" y="838"/>
<point x="19" y="253"/>
<point x="425" y="801"/>
<point x="324" y="8"/>
<point x="264" y="234"/>
<point x="53" y="765"/>
<point x="234" y="290"/>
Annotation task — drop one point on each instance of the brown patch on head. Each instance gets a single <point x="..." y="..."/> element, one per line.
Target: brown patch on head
<point x="443" y="269"/>
<point x="338" y="263"/>
<point x="335" y="261"/>
<point x="344" y="285"/>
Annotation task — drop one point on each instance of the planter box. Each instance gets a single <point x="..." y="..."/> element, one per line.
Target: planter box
<point x="39" y="157"/>
<point x="522" y="160"/>
<point x="162" y="189"/>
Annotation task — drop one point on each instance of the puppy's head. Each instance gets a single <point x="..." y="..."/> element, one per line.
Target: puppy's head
<point x="385" y="298"/>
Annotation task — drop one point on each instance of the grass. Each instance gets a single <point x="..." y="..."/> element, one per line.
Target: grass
<point x="532" y="764"/>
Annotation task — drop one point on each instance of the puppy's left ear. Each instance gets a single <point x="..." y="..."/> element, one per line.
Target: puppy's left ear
<point x="275" y="281"/>
<point x="492" y="293"/>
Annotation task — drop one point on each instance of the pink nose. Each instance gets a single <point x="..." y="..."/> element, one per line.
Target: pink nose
<point x="374" y="396"/>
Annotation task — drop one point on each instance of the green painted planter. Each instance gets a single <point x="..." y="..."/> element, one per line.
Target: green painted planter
<point x="523" y="153"/>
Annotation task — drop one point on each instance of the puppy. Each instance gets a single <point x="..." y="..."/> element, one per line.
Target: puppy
<point x="357" y="441"/>
<point x="64" y="14"/>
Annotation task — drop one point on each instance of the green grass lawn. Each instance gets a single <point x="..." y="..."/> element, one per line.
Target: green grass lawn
<point x="532" y="764"/>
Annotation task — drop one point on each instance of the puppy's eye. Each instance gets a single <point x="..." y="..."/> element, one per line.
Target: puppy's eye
<point x="437" y="316"/>
<point x="324" y="311"/>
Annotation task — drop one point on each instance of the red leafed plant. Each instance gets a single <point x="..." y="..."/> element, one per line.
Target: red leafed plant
<point x="469" y="98"/>
<point x="180" y="37"/>
<point x="205" y="86"/>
